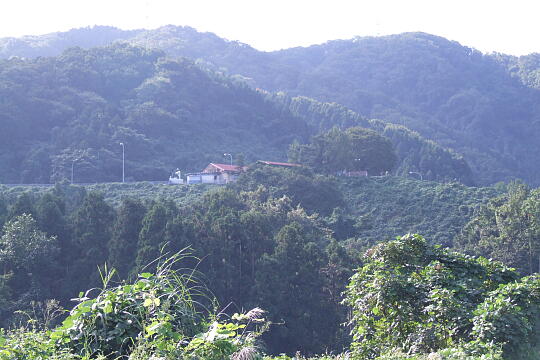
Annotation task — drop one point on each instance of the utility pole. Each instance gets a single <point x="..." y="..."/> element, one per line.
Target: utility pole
<point x="123" y="162"/>
<point x="72" y="166"/>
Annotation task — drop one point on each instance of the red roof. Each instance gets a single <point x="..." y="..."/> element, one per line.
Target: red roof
<point x="225" y="167"/>
<point x="278" y="163"/>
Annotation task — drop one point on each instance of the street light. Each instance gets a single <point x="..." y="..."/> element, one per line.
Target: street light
<point x="228" y="155"/>
<point x="123" y="168"/>
<point x="417" y="173"/>
<point x="72" y="165"/>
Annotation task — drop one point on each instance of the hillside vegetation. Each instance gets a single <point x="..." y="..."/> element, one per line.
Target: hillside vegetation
<point x="66" y="116"/>
<point x="414" y="152"/>
<point x="242" y="232"/>
<point x="448" y="93"/>
<point x="482" y="106"/>
<point x="74" y="110"/>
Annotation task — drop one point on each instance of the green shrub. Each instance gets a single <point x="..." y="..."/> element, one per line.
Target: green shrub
<point x="418" y="298"/>
<point x="159" y="316"/>
<point x="24" y="344"/>
<point x="510" y="316"/>
<point x="158" y="307"/>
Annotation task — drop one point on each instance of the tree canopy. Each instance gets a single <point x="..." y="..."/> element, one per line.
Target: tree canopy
<point x="355" y="149"/>
<point x="416" y="298"/>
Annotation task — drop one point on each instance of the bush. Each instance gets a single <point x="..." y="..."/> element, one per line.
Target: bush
<point x="158" y="307"/>
<point x="510" y="316"/>
<point x="419" y="299"/>
<point x="24" y="344"/>
<point x="159" y="316"/>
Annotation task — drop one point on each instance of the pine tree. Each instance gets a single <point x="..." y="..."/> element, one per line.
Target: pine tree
<point x="91" y="225"/>
<point x="151" y="237"/>
<point x="123" y="246"/>
<point x="23" y="205"/>
<point x="290" y="286"/>
<point x="50" y="216"/>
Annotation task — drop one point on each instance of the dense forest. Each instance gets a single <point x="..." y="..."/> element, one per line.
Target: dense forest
<point x="284" y="240"/>
<point x="454" y="95"/>
<point x="408" y="227"/>
<point x="484" y="107"/>
<point x="74" y="110"/>
<point x="65" y="117"/>
<point x="414" y="152"/>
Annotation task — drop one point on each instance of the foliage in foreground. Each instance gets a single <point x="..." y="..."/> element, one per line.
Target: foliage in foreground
<point x="243" y="237"/>
<point x="160" y="315"/>
<point x="414" y="298"/>
<point x="410" y="301"/>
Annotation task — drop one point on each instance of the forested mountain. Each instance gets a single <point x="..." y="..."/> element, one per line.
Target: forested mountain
<point x="482" y="106"/>
<point x="451" y="94"/>
<point x="55" y="43"/>
<point x="74" y="110"/>
<point x="415" y="152"/>
<point x="68" y="115"/>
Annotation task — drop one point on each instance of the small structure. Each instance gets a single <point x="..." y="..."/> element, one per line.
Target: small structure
<point x="176" y="178"/>
<point x="280" y="164"/>
<point x="358" y="173"/>
<point x="216" y="174"/>
<point x="202" y="178"/>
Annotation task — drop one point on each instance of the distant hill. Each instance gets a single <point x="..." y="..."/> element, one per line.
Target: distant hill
<point x="454" y="95"/>
<point x="475" y="104"/>
<point x="54" y="44"/>
<point x="486" y="107"/>
<point x="71" y="112"/>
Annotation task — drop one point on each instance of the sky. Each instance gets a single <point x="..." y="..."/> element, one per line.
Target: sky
<point x="510" y="27"/>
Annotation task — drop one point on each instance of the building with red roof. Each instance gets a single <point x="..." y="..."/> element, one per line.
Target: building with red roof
<point x="216" y="174"/>
<point x="228" y="168"/>
<point x="226" y="173"/>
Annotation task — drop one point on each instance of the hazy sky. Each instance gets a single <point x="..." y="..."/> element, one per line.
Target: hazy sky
<point x="511" y="27"/>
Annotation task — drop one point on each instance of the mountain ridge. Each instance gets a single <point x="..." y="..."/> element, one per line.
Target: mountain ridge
<point x="71" y="112"/>
<point x="484" y="106"/>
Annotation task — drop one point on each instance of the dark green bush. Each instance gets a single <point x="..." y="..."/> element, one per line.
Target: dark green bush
<point x="159" y="307"/>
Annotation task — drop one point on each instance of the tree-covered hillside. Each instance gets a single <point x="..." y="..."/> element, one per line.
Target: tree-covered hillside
<point x="267" y="240"/>
<point x="366" y="210"/>
<point x="448" y="93"/>
<point x="55" y="43"/>
<point x="526" y="68"/>
<point x="73" y="111"/>
<point x="482" y="106"/>
<point x="452" y="94"/>
<point x="415" y="152"/>
<point x="67" y="116"/>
